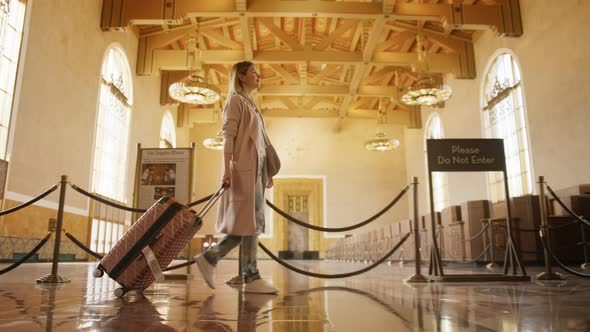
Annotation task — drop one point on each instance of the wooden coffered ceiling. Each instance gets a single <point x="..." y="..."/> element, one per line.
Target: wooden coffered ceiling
<point x="317" y="58"/>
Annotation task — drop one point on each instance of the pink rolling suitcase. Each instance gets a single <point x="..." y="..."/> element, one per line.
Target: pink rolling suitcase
<point x="151" y="243"/>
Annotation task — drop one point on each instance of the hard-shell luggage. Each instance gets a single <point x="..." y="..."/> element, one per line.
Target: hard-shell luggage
<point x="151" y="243"/>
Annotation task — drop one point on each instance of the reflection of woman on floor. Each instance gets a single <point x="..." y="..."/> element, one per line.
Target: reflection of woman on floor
<point x="241" y="214"/>
<point x="249" y="306"/>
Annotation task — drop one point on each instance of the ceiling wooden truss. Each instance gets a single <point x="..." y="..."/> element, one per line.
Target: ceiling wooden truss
<point x="317" y="58"/>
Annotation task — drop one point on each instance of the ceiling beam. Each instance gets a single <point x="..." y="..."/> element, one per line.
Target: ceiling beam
<point x="395" y="117"/>
<point x="329" y="69"/>
<point x="314" y="57"/>
<point x="311" y="103"/>
<point x="376" y="91"/>
<point x="245" y="27"/>
<point x="289" y="103"/>
<point x="280" y="34"/>
<point x="359" y="74"/>
<point x="388" y="6"/>
<point x="221" y="39"/>
<point x="150" y="60"/>
<point x="396" y="39"/>
<point x="299" y="113"/>
<point x="374" y="35"/>
<point x="284" y="74"/>
<point x="303" y="90"/>
<point x="302" y="68"/>
<point x="428" y="30"/>
<point x="324" y="43"/>
<point x="504" y="17"/>
<point x="241" y="5"/>
<point x="344" y="106"/>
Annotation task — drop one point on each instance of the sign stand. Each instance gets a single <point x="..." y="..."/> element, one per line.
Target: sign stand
<point x="471" y="155"/>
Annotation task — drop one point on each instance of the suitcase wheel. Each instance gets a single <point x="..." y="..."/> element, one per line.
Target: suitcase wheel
<point x="98" y="273"/>
<point x="119" y="292"/>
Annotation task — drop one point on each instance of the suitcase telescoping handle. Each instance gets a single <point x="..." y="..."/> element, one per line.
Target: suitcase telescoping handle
<point x="212" y="200"/>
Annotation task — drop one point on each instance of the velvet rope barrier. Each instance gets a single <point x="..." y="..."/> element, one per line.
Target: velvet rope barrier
<point x="478" y="234"/>
<point x="28" y="255"/>
<point x="572" y="213"/>
<point x="126" y="208"/>
<point x="24" y="205"/>
<point x="339" y="229"/>
<point x="335" y="276"/>
<point x="563" y="266"/>
<point x="82" y="246"/>
<point x="455" y="260"/>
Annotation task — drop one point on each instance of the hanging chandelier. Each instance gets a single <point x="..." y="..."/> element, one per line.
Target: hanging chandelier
<point x="194" y="89"/>
<point x="381" y="142"/>
<point x="428" y="89"/>
<point x="215" y="143"/>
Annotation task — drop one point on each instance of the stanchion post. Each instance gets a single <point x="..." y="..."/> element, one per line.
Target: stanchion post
<point x="54" y="277"/>
<point x="584" y="265"/>
<point x="548" y="274"/>
<point x="417" y="277"/>
<point x="492" y="263"/>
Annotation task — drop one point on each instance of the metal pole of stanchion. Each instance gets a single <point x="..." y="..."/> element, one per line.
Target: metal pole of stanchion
<point x="54" y="277"/>
<point x="548" y="274"/>
<point x="418" y="277"/>
<point x="492" y="263"/>
<point x="585" y="265"/>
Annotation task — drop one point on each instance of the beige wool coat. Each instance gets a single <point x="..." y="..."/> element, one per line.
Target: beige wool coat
<point x="241" y="129"/>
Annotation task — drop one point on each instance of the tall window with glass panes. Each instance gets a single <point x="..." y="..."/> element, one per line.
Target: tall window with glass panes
<point x="12" y="17"/>
<point x="111" y="145"/>
<point x="434" y="130"/>
<point x="504" y="117"/>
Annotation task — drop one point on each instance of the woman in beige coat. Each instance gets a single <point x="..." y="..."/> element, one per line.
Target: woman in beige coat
<point x="241" y="214"/>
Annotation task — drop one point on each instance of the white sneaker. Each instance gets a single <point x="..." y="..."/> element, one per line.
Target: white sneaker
<point x="207" y="270"/>
<point x="259" y="286"/>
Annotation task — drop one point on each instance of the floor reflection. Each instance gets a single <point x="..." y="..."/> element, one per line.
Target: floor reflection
<point x="376" y="301"/>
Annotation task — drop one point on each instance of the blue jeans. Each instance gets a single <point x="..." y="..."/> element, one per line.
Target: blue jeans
<point x="248" y="244"/>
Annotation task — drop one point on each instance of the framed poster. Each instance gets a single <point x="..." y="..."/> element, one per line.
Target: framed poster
<point x="163" y="172"/>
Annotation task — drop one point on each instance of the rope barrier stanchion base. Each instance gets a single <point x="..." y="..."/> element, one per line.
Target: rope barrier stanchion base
<point x="585" y="266"/>
<point x="491" y="265"/>
<point x="53" y="279"/>
<point x="417" y="279"/>
<point x="551" y="276"/>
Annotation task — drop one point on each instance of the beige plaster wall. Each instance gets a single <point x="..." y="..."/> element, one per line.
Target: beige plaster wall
<point x="359" y="183"/>
<point x="58" y="99"/>
<point x="552" y="54"/>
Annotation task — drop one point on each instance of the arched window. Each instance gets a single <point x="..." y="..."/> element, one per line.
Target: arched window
<point x="109" y="169"/>
<point x="168" y="131"/>
<point x="440" y="185"/>
<point x="12" y="18"/>
<point x="504" y="117"/>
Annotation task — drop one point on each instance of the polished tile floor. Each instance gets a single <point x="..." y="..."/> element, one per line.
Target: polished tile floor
<point x="376" y="301"/>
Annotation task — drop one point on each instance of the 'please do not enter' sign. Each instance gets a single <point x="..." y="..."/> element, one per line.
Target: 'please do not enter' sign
<point x="465" y="155"/>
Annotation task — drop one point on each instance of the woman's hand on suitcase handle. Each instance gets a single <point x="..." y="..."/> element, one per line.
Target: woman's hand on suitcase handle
<point x="226" y="180"/>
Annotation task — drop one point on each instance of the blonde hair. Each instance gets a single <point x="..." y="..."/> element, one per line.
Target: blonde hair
<point x="235" y="85"/>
